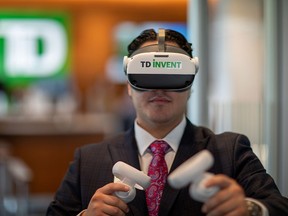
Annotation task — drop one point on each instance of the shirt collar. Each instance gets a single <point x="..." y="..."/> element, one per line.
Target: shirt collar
<point x="144" y="139"/>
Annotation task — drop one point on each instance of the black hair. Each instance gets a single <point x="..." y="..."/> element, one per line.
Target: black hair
<point x="151" y="35"/>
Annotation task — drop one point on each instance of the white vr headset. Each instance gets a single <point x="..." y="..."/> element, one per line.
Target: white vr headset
<point x="160" y="66"/>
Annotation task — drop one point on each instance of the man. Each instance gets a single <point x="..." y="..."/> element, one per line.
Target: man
<point x="88" y="188"/>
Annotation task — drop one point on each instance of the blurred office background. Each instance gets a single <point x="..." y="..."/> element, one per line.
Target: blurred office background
<point x="62" y="84"/>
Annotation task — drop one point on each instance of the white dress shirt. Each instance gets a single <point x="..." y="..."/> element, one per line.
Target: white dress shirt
<point x="144" y="139"/>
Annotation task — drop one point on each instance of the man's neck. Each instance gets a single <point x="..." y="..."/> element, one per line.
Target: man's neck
<point x="159" y="130"/>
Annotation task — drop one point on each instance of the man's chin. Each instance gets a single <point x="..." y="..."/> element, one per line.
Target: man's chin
<point x="160" y="119"/>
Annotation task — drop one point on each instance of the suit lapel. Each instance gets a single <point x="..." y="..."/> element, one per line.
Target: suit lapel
<point x="189" y="146"/>
<point x="126" y="150"/>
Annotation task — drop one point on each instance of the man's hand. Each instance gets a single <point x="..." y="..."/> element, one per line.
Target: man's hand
<point x="104" y="202"/>
<point x="228" y="201"/>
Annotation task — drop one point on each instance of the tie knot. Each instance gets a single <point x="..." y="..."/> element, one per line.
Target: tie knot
<point x="159" y="147"/>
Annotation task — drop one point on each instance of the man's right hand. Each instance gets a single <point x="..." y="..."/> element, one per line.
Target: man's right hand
<point x="104" y="202"/>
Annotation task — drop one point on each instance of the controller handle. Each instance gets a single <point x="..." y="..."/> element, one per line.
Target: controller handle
<point x="130" y="176"/>
<point x="193" y="172"/>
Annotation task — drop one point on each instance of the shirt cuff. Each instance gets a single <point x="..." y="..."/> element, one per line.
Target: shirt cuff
<point x="263" y="207"/>
<point x="81" y="212"/>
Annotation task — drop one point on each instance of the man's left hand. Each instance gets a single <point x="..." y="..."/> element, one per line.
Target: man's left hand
<point x="228" y="201"/>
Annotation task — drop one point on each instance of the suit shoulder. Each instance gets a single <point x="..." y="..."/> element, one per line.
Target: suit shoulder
<point x="226" y="138"/>
<point x="204" y="132"/>
<point x="112" y="140"/>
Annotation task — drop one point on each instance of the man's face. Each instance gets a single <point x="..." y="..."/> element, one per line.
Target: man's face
<point x="159" y="107"/>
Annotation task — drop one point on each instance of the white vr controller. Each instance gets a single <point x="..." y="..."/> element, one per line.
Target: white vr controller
<point x="193" y="172"/>
<point x="132" y="177"/>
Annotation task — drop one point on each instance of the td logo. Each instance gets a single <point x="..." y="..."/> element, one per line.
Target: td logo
<point x="32" y="47"/>
<point x="162" y="64"/>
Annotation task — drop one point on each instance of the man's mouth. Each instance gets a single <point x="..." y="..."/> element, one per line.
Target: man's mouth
<point x="160" y="99"/>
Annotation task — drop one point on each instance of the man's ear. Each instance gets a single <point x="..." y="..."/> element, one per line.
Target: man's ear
<point x="129" y="89"/>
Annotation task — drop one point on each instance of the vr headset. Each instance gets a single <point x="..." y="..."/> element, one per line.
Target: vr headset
<point x="160" y="66"/>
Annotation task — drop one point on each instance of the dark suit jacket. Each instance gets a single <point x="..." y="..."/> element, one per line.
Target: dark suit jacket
<point x="92" y="169"/>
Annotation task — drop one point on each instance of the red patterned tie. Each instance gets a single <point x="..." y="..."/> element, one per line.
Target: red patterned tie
<point x="158" y="172"/>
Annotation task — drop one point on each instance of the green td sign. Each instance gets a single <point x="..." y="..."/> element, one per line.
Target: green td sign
<point x="32" y="47"/>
